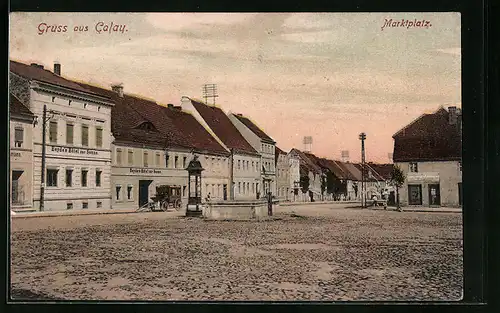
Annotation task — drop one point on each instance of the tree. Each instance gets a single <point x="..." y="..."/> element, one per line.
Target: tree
<point x="304" y="183"/>
<point x="323" y="185"/>
<point x="330" y="182"/>
<point x="397" y="180"/>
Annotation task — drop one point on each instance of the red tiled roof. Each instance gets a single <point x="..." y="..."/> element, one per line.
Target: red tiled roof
<point x="429" y="138"/>
<point x="353" y="173"/>
<point x="254" y="128"/>
<point x="222" y="126"/>
<point x="17" y="107"/>
<point x="193" y="131"/>
<point x="173" y="128"/>
<point x="35" y="73"/>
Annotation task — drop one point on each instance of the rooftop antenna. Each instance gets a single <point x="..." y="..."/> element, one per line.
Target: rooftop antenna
<point x="308" y="141"/>
<point x="210" y="91"/>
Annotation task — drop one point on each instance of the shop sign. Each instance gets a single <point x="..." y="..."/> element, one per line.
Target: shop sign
<point x="144" y="171"/>
<point x="74" y="150"/>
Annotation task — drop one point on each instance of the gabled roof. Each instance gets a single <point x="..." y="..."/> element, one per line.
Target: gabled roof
<point x="16" y="107"/>
<point x="223" y="128"/>
<point x="383" y="170"/>
<point x="254" y="128"/>
<point x="305" y="162"/>
<point x="36" y="73"/>
<point x="193" y="131"/>
<point x="429" y="138"/>
<point x="353" y="173"/>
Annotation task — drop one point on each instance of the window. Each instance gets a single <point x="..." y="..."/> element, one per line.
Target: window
<point x="176" y="160"/>
<point x="98" y="178"/>
<point x="184" y="160"/>
<point x="263" y="148"/>
<point x="253" y="165"/>
<point x="460" y="166"/>
<point x="118" y="192"/>
<point x="69" y="133"/>
<point x="157" y="159"/>
<point x="248" y="188"/>
<point x="69" y="177"/>
<point x="85" y="135"/>
<point x="239" y="164"/>
<point x="69" y="206"/>
<point x="52" y="177"/>
<point x="253" y="187"/>
<point x="118" y="156"/>
<point x="239" y="187"/>
<point x="99" y="204"/>
<point x="85" y="205"/>
<point x="413" y="167"/>
<point x="53" y="132"/>
<point x="257" y="167"/>
<point x="183" y="191"/>
<point x="84" y="178"/>
<point x="130" y="157"/>
<point x="98" y="137"/>
<point x="166" y="159"/>
<point x="145" y="159"/>
<point x="18" y="137"/>
<point x="129" y="192"/>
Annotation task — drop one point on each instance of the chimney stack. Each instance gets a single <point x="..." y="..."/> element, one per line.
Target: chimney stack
<point x="57" y="68"/>
<point x="452" y="115"/>
<point x="118" y="89"/>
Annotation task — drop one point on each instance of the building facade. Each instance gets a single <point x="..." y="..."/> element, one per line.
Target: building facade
<point x="244" y="174"/>
<point x="429" y="152"/>
<point x="21" y="155"/>
<point x="78" y="138"/>
<point x="264" y="145"/>
<point x="283" y="189"/>
<point x="294" y="176"/>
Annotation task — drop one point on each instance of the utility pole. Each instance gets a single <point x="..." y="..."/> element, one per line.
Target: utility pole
<point x="42" y="185"/>
<point x="362" y="137"/>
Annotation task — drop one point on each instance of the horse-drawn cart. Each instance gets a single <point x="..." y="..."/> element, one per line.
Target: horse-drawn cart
<point x="167" y="196"/>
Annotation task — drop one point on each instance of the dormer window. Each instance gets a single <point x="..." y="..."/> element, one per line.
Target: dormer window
<point x="146" y="126"/>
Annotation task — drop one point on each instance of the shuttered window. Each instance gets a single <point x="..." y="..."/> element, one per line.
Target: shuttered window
<point x="85" y="135"/>
<point x="69" y="133"/>
<point x="98" y="137"/>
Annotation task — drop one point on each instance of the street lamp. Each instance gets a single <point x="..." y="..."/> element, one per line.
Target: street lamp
<point x="362" y="137"/>
<point x="194" y="186"/>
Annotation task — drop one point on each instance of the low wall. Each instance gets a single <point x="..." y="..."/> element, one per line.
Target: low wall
<point x="239" y="210"/>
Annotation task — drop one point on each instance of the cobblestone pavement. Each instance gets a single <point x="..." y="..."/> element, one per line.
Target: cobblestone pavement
<point x="308" y="253"/>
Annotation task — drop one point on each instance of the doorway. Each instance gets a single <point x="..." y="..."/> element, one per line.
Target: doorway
<point x="415" y="194"/>
<point x="16" y="191"/>
<point x="224" y="192"/>
<point x="144" y="192"/>
<point x="434" y="195"/>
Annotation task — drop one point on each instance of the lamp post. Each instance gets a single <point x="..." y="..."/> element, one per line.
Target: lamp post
<point x="194" y="186"/>
<point x="44" y="132"/>
<point x="362" y="137"/>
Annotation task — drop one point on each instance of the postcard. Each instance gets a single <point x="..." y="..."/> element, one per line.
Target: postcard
<point x="235" y="156"/>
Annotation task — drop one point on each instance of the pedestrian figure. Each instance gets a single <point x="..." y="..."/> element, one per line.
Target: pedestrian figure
<point x="208" y="197"/>
<point x="385" y="196"/>
<point x="269" y="204"/>
<point x="374" y="198"/>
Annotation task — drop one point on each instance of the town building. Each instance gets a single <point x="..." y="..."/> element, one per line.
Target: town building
<point x="310" y="176"/>
<point x="244" y="160"/>
<point x="429" y="152"/>
<point x="283" y="188"/>
<point x="153" y="145"/>
<point x="294" y="176"/>
<point x="78" y="142"/>
<point x="262" y="143"/>
<point x="21" y="155"/>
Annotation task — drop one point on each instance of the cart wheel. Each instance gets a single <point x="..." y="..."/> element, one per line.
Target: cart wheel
<point x="177" y="204"/>
<point x="164" y="206"/>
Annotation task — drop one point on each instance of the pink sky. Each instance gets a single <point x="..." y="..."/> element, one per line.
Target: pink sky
<point x="325" y="75"/>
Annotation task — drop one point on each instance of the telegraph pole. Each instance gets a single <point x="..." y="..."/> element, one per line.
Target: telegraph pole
<point x="362" y="137"/>
<point x="42" y="185"/>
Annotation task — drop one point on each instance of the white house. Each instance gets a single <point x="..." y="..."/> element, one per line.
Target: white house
<point x="78" y="140"/>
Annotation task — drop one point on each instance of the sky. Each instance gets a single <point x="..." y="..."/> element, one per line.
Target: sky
<point x="326" y="75"/>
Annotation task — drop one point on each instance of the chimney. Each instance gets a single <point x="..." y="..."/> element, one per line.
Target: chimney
<point x="118" y="89"/>
<point x="57" y="68"/>
<point x="170" y="105"/>
<point x="37" y="65"/>
<point x="452" y="115"/>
